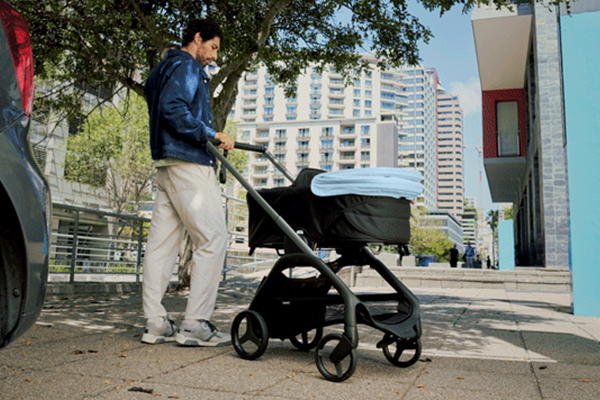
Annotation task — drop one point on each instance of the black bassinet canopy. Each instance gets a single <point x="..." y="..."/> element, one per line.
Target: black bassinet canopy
<point x="333" y="221"/>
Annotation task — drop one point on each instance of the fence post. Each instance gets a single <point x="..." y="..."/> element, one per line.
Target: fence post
<point x="74" y="248"/>
<point x="227" y="229"/>
<point x="139" y="252"/>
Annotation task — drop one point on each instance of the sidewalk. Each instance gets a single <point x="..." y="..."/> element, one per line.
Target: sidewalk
<point x="478" y="344"/>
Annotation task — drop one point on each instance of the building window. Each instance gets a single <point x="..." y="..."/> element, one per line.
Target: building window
<point x="327" y="144"/>
<point x="507" y="120"/>
<point x="280" y="133"/>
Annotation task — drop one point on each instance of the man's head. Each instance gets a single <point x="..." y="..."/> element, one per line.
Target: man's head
<point x="202" y="39"/>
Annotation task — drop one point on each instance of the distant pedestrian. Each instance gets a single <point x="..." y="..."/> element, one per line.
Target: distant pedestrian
<point x="470" y="255"/>
<point x="453" y="257"/>
<point x="402" y="251"/>
<point x="489" y="262"/>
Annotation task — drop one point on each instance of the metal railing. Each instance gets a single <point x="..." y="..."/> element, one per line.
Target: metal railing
<point x="89" y="241"/>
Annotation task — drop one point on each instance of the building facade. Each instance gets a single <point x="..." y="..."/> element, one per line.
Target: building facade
<point x="540" y="133"/>
<point x="328" y="125"/>
<point x="470" y="222"/>
<point x="450" y="154"/>
<point x="384" y="119"/>
<point x="418" y="136"/>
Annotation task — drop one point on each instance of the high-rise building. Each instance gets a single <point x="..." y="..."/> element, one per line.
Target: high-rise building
<point x="450" y="154"/>
<point x="328" y="125"/>
<point x="386" y="118"/>
<point x="418" y="135"/>
<point x="470" y="222"/>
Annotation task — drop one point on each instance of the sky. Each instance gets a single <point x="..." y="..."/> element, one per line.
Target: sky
<point x="452" y="53"/>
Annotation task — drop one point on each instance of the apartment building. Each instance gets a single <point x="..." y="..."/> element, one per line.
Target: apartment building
<point x="450" y="188"/>
<point x="418" y="136"/>
<point x="327" y="125"/>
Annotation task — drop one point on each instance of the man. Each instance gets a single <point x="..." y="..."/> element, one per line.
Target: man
<point x="470" y="255"/>
<point x="188" y="196"/>
<point x="453" y="257"/>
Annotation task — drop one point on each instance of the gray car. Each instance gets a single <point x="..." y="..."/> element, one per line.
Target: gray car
<point x="24" y="194"/>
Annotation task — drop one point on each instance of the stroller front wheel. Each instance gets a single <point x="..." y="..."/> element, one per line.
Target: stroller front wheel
<point x="402" y="353"/>
<point x="249" y="335"/>
<point x="335" y="361"/>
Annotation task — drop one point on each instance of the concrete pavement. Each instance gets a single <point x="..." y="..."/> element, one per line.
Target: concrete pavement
<point x="478" y="344"/>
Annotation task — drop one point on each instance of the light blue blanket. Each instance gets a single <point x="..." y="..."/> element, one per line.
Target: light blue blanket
<point x="379" y="181"/>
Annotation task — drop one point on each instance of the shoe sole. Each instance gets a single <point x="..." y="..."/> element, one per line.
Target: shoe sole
<point x="152" y="339"/>
<point x="193" y="342"/>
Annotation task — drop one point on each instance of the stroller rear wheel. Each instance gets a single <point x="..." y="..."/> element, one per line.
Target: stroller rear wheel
<point x="401" y="353"/>
<point x="249" y="335"/>
<point x="307" y="340"/>
<point x="335" y="361"/>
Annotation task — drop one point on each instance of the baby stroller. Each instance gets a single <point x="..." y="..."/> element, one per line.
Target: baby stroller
<point x="296" y="222"/>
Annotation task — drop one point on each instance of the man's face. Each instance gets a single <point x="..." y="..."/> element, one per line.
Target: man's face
<point x="207" y="50"/>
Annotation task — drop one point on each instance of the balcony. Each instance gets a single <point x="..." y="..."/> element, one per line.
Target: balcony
<point x="347" y="156"/>
<point x="502" y="66"/>
<point x="335" y="113"/>
<point x="348" y="132"/>
<point x="336" y="83"/>
<point x="336" y="93"/>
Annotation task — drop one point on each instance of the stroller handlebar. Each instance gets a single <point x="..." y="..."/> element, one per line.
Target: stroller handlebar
<point x="242" y="146"/>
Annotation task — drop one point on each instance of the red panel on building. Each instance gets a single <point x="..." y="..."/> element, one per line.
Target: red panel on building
<point x="489" y="98"/>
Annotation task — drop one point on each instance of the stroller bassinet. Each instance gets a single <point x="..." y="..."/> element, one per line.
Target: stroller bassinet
<point x="329" y="222"/>
<point x="298" y="308"/>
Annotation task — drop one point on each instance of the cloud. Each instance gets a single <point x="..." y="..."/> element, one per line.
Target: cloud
<point x="469" y="95"/>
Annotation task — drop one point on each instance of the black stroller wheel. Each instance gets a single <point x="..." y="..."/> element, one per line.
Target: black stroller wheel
<point x="249" y="335"/>
<point x="335" y="368"/>
<point x="307" y="340"/>
<point x="402" y="353"/>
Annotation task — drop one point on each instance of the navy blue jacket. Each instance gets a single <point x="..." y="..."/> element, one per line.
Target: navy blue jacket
<point x="179" y="107"/>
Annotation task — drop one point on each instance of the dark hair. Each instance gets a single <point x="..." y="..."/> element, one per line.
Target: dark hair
<point x="207" y="28"/>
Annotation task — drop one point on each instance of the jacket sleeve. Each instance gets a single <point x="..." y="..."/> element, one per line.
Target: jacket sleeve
<point x="177" y="95"/>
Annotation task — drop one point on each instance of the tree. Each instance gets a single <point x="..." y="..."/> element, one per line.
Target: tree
<point x="492" y="220"/>
<point x="112" y="153"/>
<point x="104" y="46"/>
<point x="508" y="213"/>
<point x="425" y="238"/>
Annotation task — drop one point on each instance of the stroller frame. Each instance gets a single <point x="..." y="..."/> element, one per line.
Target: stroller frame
<point x="309" y="297"/>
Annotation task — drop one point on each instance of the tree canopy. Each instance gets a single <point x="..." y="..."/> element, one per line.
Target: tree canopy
<point x="427" y="238"/>
<point x="109" y="45"/>
<point x="112" y="153"/>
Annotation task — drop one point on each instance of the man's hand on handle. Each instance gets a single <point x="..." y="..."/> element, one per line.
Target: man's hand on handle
<point x="227" y="141"/>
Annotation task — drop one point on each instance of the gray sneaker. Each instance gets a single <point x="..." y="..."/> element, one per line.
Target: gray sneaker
<point x="154" y="334"/>
<point x="206" y="334"/>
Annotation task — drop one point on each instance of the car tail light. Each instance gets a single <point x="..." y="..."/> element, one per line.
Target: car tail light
<point x="19" y="41"/>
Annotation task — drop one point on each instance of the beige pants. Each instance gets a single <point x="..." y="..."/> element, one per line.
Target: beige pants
<point x="188" y="197"/>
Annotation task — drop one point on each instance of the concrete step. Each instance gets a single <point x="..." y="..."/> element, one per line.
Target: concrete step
<point x="524" y="279"/>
